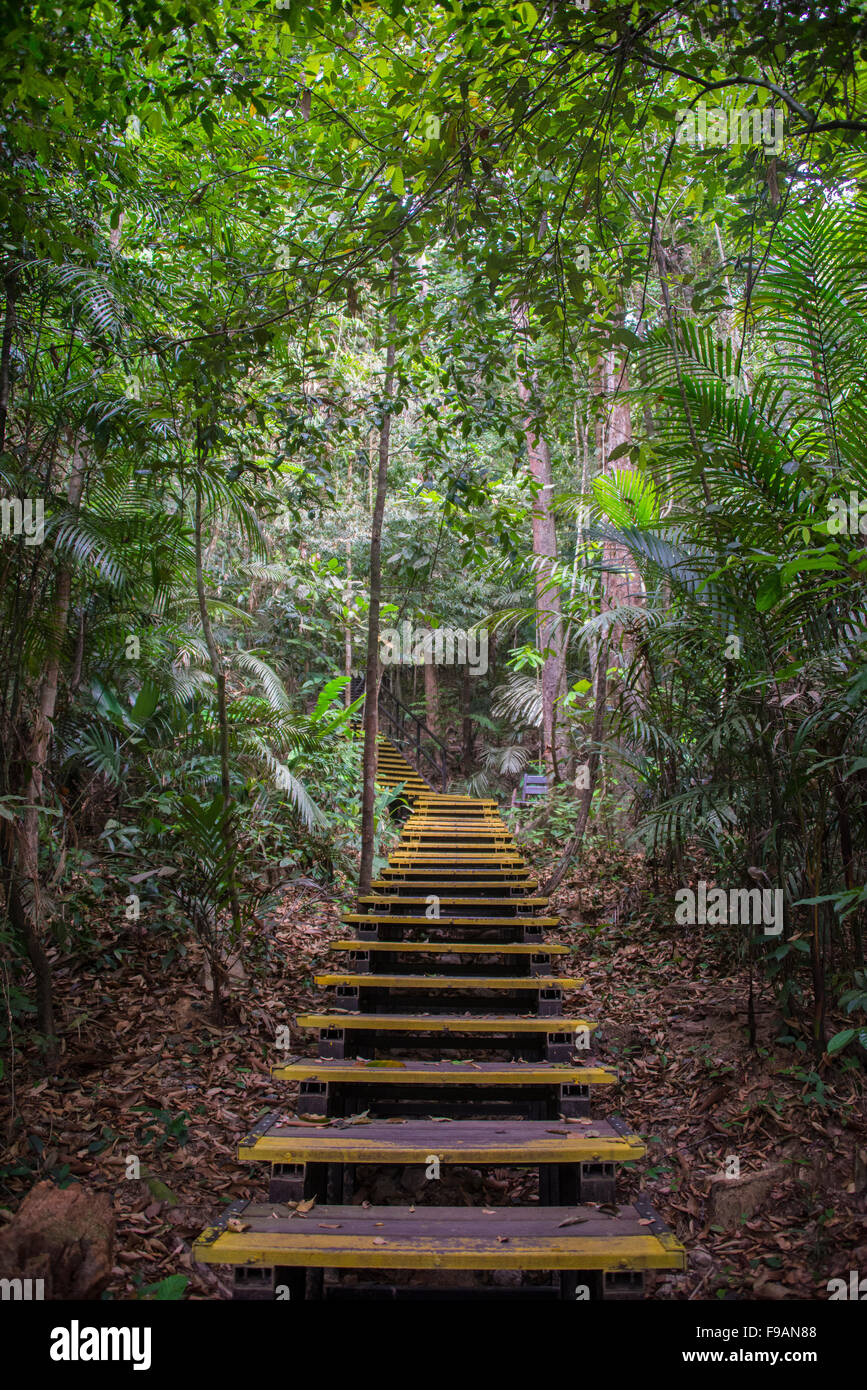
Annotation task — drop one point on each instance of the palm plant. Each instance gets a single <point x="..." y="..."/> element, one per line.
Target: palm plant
<point x="742" y="714"/>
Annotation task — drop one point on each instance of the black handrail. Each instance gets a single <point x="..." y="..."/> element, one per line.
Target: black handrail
<point x="396" y="716"/>
<point x="397" y="720"/>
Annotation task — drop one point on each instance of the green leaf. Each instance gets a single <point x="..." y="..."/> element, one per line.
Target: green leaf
<point x="170" y="1289"/>
<point x="770" y="591"/>
<point x="145" y="703"/>
<point x="841" y="1040"/>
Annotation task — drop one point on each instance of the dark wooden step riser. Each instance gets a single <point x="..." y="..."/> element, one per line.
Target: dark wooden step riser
<point x="339" y="1099"/>
<point x="395" y="1001"/>
<point x="525" y="1047"/>
<point x="391" y="963"/>
<point x="304" y="1284"/>
<point x="559" y="1184"/>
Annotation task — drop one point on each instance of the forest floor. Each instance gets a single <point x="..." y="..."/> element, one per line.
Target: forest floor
<point x="147" y="1073"/>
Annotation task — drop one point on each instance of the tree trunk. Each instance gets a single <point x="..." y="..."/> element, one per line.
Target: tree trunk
<point x="593" y="761"/>
<point x="373" y="668"/>
<point x="467" y="739"/>
<point x="347" y="630"/>
<point x="847" y="854"/>
<point x="431" y="693"/>
<point x="219" y="671"/>
<point x="10" y="282"/>
<point x="25" y="889"/>
<point x="620" y="583"/>
<point x="549" y="621"/>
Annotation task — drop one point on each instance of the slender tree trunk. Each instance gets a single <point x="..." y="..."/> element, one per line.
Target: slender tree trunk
<point x="620" y="583"/>
<point x="219" y="671"/>
<point x="593" y="760"/>
<point x="548" y="610"/>
<point x="847" y="854"/>
<point x="431" y="692"/>
<point x="11" y="286"/>
<point x="467" y="740"/>
<point x="347" y="630"/>
<point x="373" y="669"/>
<point x="25" y="889"/>
<point x="817" y="947"/>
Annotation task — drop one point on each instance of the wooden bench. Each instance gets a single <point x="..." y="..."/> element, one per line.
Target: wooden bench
<point x="534" y="784"/>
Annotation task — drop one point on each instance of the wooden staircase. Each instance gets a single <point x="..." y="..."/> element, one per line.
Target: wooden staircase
<point x="446" y="1045"/>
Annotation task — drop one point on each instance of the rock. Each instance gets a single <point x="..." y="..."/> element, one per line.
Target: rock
<point x="64" y="1236"/>
<point x="732" y="1199"/>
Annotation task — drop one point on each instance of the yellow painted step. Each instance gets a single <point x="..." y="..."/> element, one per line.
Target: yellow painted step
<point x="425" y="822"/>
<point x="445" y="1023"/>
<point x="438" y="887"/>
<point x="475" y="841"/>
<point x="480" y="873"/>
<point x="432" y="836"/>
<point x="427" y="1237"/>
<point x="373" y="919"/>
<point x="489" y="1142"/>
<point x="381" y="899"/>
<point x="428" y="818"/>
<point x="457" y="948"/>
<point x="474" y="982"/>
<point x="423" y="857"/>
<point x="398" y="1073"/>
<point x="456" y="803"/>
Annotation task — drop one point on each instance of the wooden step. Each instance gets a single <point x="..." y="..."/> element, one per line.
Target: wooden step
<point x="442" y="818"/>
<point x="380" y="899"/>
<point x="468" y="872"/>
<point x="443" y="843"/>
<point x="372" y="919"/>
<point x="485" y="1142"/>
<point x="457" y="826"/>
<point x="445" y="1023"/>
<point x="422" y="858"/>
<point x="484" y="838"/>
<point x="442" y="1073"/>
<point x="437" y="982"/>
<point x="428" y="1237"/>
<point x="456" y="948"/>
<point x="436" y="886"/>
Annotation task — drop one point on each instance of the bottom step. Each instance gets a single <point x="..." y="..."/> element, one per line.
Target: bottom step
<point x="354" y="1237"/>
